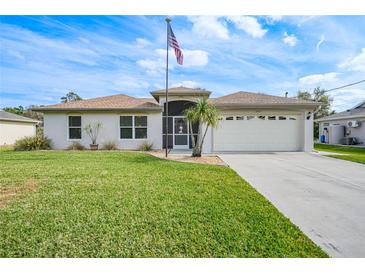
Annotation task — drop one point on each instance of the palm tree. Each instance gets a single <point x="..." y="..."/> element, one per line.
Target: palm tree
<point x="203" y="114"/>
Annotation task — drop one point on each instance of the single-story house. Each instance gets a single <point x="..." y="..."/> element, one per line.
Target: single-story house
<point x="14" y="127"/>
<point x="248" y="121"/>
<point x="346" y="127"/>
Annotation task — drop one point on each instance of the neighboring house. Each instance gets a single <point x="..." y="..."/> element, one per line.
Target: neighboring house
<point x="249" y="121"/>
<point x="343" y="127"/>
<point x="14" y="127"/>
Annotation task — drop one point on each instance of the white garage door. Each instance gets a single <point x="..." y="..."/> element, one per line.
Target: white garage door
<point x="259" y="133"/>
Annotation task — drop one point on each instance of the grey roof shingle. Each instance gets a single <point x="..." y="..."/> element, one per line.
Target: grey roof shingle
<point x="354" y="112"/>
<point x="7" y="116"/>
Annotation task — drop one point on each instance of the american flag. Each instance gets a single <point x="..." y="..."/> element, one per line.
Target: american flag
<point x="175" y="45"/>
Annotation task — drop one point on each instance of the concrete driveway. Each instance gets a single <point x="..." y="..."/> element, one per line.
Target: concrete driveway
<point x="325" y="197"/>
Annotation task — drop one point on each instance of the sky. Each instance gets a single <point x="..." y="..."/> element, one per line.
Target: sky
<point x="44" y="57"/>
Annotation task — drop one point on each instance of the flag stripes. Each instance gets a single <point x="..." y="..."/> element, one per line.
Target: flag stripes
<point x="175" y="45"/>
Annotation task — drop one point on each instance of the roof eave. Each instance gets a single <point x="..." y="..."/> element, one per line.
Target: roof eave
<point x="235" y="106"/>
<point x="19" y="120"/>
<point x="324" y="119"/>
<point x="158" y="94"/>
<point x="156" y="109"/>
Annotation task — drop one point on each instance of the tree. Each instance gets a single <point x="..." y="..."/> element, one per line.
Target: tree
<point x="16" y="110"/>
<point x="28" y="112"/>
<point x="318" y="95"/>
<point x="70" y="97"/>
<point x="203" y="114"/>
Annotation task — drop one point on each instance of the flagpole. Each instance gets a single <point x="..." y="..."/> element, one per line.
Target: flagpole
<point x="168" y="20"/>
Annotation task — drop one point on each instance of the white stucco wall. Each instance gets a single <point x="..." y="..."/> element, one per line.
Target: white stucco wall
<point x="308" y="130"/>
<point x="56" y="128"/>
<point x="10" y="131"/>
<point x="358" y="132"/>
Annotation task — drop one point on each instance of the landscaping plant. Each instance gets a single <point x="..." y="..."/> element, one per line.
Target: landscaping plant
<point x="204" y="114"/>
<point x="92" y="130"/>
<point x="37" y="142"/>
<point x="76" y="146"/>
<point x="110" y="146"/>
<point x="146" y="146"/>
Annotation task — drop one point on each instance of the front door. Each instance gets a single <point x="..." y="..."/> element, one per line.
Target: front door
<point x="181" y="133"/>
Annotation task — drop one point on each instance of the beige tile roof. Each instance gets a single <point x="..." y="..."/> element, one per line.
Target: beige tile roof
<point x="113" y="102"/>
<point x="243" y="98"/>
<point x="125" y="102"/>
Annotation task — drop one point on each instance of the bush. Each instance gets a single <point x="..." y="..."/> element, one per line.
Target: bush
<point x="146" y="146"/>
<point x="110" y="146"/>
<point x="76" y="146"/>
<point x="33" y="143"/>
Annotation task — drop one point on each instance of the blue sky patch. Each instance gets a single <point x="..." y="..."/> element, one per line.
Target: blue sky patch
<point x="44" y="57"/>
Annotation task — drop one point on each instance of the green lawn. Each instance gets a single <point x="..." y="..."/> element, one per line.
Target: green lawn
<point x="125" y="204"/>
<point x="354" y="154"/>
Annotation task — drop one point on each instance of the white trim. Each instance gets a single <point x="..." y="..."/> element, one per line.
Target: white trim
<point x="68" y="128"/>
<point x="340" y="118"/>
<point x="174" y="146"/>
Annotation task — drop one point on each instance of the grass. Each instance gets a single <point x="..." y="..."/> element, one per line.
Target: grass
<point x="125" y="204"/>
<point x="353" y="154"/>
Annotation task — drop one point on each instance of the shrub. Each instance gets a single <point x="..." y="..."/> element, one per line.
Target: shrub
<point x="76" y="146"/>
<point x="146" y="146"/>
<point x="110" y="146"/>
<point x="33" y="143"/>
<point x="92" y="130"/>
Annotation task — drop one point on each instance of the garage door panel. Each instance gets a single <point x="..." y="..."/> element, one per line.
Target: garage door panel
<point x="258" y="135"/>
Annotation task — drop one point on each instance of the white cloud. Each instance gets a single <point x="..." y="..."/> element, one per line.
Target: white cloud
<point x="319" y="78"/>
<point x="346" y="98"/>
<point x="356" y="63"/>
<point x="248" y="24"/>
<point x="322" y="39"/>
<point x="195" y="58"/>
<point x="152" y="66"/>
<point x="84" y="40"/>
<point x="16" y="54"/>
<point x="192" y="58"/>
<point x="271" y="19"/>
<point x="209" y="26"/>
<point x="141" y="42"/>
<point x="128" y="82"/>
<point x="290" y="40"/>
<point x="188" y="84"/>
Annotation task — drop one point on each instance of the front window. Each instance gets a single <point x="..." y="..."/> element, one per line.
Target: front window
<point x="74" y="127"/>
<point x="133" y="127"/>
<point x="140" y="127"/>
<point x="126" y="127"/>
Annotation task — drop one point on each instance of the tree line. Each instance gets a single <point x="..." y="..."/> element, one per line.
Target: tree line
<point x="28" y="112"/>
